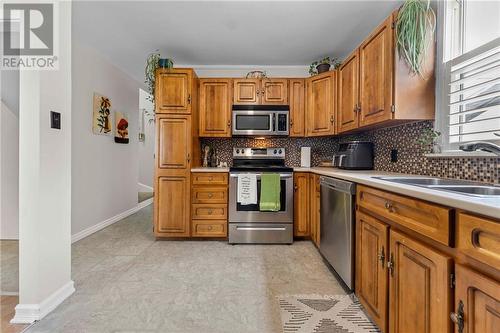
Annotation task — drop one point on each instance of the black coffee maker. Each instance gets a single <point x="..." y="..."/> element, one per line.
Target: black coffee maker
<point x="354" y="155"/>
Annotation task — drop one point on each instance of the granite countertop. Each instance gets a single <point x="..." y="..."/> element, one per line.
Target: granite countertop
<point x="489" y="206"/>
<point x="209" y="169"/>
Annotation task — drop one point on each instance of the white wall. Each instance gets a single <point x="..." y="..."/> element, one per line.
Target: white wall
<point x="9" y="174"/>
<point x="105" y="173"/>
<point x="147" y="147"/>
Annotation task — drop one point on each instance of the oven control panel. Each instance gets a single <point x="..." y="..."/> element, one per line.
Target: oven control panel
<point x="259" y="152"/>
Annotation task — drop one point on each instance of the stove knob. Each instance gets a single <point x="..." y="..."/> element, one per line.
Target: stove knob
<point x="275" y="151"/>
<point x="237" y="151"/>
<point x="280" y="151"/>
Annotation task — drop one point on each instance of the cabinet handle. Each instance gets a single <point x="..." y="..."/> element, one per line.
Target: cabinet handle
<point x="389" y="206"/>
<point x="295" y="188"/>
<point x="228" y="123"/>
<point x="458" y="317"/>
<point x="291" y="122"/>
<point x="189" y="157"/>
<point x="189" y="99"/>
<point x="381" y="257"/>
<point x="390" y="264"/>
<point x="331" y="119"/>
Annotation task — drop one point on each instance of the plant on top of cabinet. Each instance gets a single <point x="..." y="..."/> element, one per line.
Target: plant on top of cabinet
<point x="323" y="65"/>
<point x="153" y="62"/>
<point x="415" y="25"/>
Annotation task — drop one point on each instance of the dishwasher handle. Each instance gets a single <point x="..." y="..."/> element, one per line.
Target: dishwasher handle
<point x="338" y="185"/>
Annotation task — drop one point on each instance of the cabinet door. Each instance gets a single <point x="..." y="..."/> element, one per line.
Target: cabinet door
<point x="477" y="300"/>
<point x="348" y="93"/>
<point x="376" y="75"/>
<point x="215" y="107"/>
<point x="246" y="91"/>
<point x="173" y="91"/>
<point x="314" y="209"/>
<point x="320" y="111"/>
<point x="174" y="142"/>
<point x="296" y="97"/>
<point x="274" y="91"/>
<point x="371" y="269"/>
<point x="419" y="288"/>
<point x="172" y="206"/>
<point x="301" y="204"/>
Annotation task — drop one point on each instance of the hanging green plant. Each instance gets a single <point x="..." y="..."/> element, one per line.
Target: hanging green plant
<point x="153" y="62"/>
<point x="415" y="26"/>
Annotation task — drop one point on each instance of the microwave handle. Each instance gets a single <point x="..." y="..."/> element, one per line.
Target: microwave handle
<point x="274" y="122"/>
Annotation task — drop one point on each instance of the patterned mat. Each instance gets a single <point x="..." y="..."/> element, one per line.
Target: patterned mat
<point x="323" y="314"/>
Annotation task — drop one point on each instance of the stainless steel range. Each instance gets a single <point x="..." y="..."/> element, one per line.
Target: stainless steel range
<point x="247" y="224"/>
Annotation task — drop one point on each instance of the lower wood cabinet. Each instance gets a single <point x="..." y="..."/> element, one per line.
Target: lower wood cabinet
<point x="314" y="208"/>
<point x="301" y="204"/>
<point x="477" y="302"/>
<point x="172" y="206"/>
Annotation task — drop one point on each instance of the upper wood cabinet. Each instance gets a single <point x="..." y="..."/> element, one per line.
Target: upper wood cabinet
<point x="377" y="88"/>
<point x="348" y="93"/>
<point x="320" y="104"/>
<point x="174" y="142"/>
<point x="260" y="91"/>
<point x="296" y="97"/>
<point x="215" y="107"/>
<point x="174" y="90"/>
<point x="371" y="284"/>
<point x="419" y="290"/>
<point x="477" y="302"/>
<point x="301" y="204"/>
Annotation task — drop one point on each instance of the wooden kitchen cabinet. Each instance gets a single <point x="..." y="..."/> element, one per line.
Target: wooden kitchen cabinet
<point x="174" y="142"/>
<point x="314" y="208"/>
<point x="215" y="107"/>
<point x="420" y="291"/>
<point x="274" y="91"/>
<point x="477" y="302"/>
<point x="246" y="91"/>
<point x="320" y="104"/>
<point x="172" y="206"/>
<point x="260" y="91"/>
<point x="296" y="98"/>
<point x="301" y="204"/>
<point x="174" y="90"/>
<point x="371" y="283"/>
<point x="348" y="93"/>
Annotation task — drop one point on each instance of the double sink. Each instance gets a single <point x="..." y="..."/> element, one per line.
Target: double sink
<point x="448" y="185"/>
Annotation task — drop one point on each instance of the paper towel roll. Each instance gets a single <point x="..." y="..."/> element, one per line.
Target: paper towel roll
<point x="305" y="157"/>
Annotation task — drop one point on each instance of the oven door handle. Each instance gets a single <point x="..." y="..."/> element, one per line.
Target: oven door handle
<point x="282" y="175"/>
<point x="261" y="228"/>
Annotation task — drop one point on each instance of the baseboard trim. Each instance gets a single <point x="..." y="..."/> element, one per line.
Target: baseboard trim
<point x="144" y="188"/>
<point x="28" y="313"/>
<point x="9" y="293"/>
<point x="101" y="225"/>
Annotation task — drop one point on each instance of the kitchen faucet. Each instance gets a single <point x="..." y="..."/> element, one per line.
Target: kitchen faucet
<point x="481" y="145"/>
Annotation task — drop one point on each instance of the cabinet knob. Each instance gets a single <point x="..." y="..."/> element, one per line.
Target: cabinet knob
<point x="209" y="227"/>
<point x="210" y="195"/>
<point x="389" y="206"/>
<point x="295" y="188"/>
<point x="210" y="178"/>
<point x="331" y="119"/>
<point x="458" y="317"/>
<point x="210" y="212"/>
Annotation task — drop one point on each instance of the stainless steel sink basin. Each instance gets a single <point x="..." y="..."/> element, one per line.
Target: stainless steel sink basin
<point x="448" y="185"/>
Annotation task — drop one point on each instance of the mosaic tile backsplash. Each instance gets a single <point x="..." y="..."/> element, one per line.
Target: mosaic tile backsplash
<point x="411" y="157"/>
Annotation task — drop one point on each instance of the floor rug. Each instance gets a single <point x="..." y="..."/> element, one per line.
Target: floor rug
<point x="323" y="314"/>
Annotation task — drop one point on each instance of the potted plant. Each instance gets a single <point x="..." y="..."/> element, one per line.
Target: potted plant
<point x="429" y="139"/>
<point x="323" y="65"/>
<point x="153" y="62"/>
<point x="415" y="26"/>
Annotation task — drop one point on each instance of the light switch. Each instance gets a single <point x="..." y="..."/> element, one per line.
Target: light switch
<point x="55" y="120"/>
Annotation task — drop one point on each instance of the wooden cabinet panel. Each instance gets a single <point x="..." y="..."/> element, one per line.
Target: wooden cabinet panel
<point x="479" y="238"/>
<point x="209" y="228"/>
<point x="215" y="107"/>
<point x="296" y="97"/>
<point x="480" y="299"/>
<point x="320" y="107"/>
<point x="348" y="93"/>
<point x="174" y="141"/>
<point x="274" y="91"/>
<point x="419" y="288"/>
<point x="376" y="75"/>
<point x="173" y="91"/>
<point x="172" y="206"/>
<point x="314" y="208"/>
<point x="246" y="91"/>
<point x="429" y="219"/>
<point x="210" y="178"/>
<point x="209" y="194"/>
<point x="209" y="211"/>
<point x="371" y="271"/>
<point x="301" y="204"/>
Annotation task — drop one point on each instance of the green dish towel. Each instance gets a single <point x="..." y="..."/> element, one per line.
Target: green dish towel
<point x="270" y="191"/>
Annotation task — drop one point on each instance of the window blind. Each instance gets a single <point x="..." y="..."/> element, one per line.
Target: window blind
<point x="474" y="94"/>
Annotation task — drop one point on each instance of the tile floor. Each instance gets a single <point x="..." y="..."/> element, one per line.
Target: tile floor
<point x="9" y="267"/>
<point x="143" y="196"/>
<point x="128" y="282"/>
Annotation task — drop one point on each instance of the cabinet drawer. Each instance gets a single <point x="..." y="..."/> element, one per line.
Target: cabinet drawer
<point x="209" y="212"/>
<point x="209" y="228"/>
<point x="479" y="238"/>
<point x="426" y="218"/>
<point x="209" y="178"/>
<point x="207" y="194"/>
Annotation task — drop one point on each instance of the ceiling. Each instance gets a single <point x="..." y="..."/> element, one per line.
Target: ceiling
<point x="225" y="33"/>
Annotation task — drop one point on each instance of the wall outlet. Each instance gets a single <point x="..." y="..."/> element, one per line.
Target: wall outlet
<point x="55" y="120"/>
<point x="394" y="155"/>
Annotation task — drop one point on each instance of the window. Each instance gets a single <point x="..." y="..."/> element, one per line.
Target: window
<point x="469" y="77"/>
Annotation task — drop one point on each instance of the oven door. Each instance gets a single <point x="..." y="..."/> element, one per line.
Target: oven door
<point x="249" y="122"/>
<point x="239" y="213"/>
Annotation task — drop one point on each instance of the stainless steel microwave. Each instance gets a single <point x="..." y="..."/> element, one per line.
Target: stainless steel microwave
<point x="261" y="120"/>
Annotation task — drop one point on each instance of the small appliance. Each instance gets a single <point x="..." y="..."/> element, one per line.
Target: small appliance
<point x="354" y="155"/>
<point x="260" y="120"/>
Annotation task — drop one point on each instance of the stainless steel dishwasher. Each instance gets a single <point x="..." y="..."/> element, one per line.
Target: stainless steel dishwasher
<point x="337" y="226"/>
